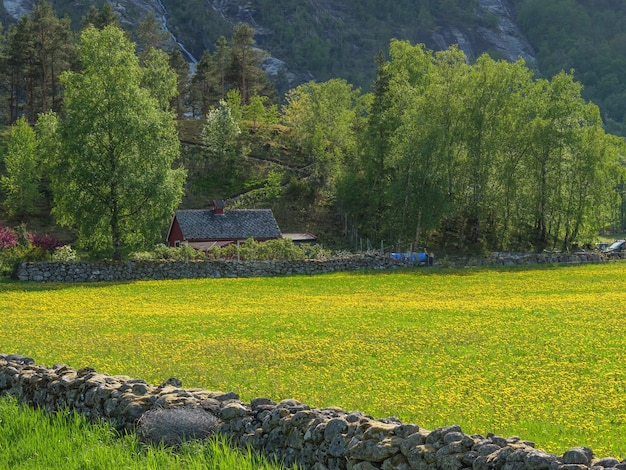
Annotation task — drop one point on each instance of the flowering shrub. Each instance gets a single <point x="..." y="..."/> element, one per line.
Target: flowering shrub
<point x="8" y="238"/>
<point x="19" y="245"/>
<point x="45" y="242"/>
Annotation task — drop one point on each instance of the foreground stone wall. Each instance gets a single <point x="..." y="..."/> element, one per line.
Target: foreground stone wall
<point x="156" y="270"/>
<point x="318" y="439"/>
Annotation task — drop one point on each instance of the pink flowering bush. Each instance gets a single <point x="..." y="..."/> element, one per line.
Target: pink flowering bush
<point x="46" y="242"/>
<point x="19" y="245"/>
<point x="8" y="238"/>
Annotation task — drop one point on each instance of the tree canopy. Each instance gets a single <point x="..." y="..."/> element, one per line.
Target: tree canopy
<point x="113" y="179"/>
<point x="483" y="156"/>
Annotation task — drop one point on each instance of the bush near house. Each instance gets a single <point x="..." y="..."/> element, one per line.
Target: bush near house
<point x="249" y="250"/>
<point x="18" y="245"/>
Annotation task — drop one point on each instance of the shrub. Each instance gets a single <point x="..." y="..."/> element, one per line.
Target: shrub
<point x="249" y="250"/>
<point x="45" y="242"/>
<point x="64" y="253"/>
<point x="17" y="246"/>
<point x="164" y="252"/>
<point x="8" y="238"/>
<point x="141" y="256"/>
<point x="10" y="258"/>
<point x="279" y="249"/>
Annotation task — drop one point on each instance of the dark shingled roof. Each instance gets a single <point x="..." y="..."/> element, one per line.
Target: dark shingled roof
<point x="204" y="224"/>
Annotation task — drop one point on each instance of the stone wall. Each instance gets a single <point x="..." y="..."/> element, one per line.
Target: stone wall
<point x="144" y="270"/>
<point x="531" y="259"/>
<point x="318" y="439"/>
<point x="155" y="270"/>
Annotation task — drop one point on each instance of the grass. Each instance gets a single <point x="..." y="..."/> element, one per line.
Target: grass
<point x="537" y="353"/>
<point x="32" y="439"/>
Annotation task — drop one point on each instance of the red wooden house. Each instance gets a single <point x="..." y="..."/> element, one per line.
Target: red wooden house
<point x="207" y="228"/>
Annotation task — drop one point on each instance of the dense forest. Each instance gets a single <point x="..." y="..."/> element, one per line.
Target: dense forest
<point x="438" y="153"/>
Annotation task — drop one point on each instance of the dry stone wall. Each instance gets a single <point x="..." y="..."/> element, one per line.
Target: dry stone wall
<point x="317" y="439"/>
<point x="156" y="270"/>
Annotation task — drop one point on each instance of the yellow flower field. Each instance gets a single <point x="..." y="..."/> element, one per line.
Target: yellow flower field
<point x="539" y="353"/>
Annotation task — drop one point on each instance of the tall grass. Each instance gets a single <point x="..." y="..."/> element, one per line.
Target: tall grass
<point x="32" y="439"/>
<point x="537" y="353"/>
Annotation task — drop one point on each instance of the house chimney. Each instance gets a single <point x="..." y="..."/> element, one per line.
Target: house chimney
<point x="218" y="207"/>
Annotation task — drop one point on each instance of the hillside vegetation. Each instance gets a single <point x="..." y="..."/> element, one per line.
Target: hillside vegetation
<point x="442" y="154"/>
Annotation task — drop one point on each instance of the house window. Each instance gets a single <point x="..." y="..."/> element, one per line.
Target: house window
<point x="177" y="243"/>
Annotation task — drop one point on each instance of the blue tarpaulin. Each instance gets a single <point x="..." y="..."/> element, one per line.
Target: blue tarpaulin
<point x="411" y="257"/>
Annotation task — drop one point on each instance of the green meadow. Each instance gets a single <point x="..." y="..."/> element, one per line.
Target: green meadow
<point x="533" y="352"/>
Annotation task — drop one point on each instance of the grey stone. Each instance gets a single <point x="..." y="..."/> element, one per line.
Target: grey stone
<point x="140" y="389"/>
<point x="406" y="430"/>
<point x="486" y="449"/>
<point x="573" y="466"/>
<point x="337" y="446"/>
<point x="372" y="451"/>
<point x="539" y="460"/>
<point x="578" y="455"/>
<point x="396" y="462"/>
<point x="497" y="460"/>
<point x="453" y="437"/>
<point x="446" y="460"/>
<point x="607" y="462"/>
<point x="173" y="426"/>
<point x="172" y="381"/>
<point x="411" y="441"/>
<point x="232" y="411"/>
<point x="514" y="466"/>
<point x="335" y="426"/>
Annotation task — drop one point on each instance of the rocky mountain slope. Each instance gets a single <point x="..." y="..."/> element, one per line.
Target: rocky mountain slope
<point x="317" y="39"/>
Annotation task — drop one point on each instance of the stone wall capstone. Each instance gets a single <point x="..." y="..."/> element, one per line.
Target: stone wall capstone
<point x="317" y="439"/>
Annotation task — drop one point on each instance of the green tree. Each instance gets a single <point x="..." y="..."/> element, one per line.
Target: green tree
<point x="38" y="48"/>
<point x="150" y="34"/>
<point x="113" y="179"/>
<point x="201" y="85"/>
<point x="220" y="136"/>
<point x="23" y="171"/>
<point x="480" y="154"/>
<point x="258" y="111"/>
<point x="208" y="84"/>
<point x="20" y="68"/>
<point x="180" y="66"/>
<point x="324" y="118"/>
<point x="101" y="18"/>
<point x="158" y="77"/>
<point x="244" y="71"/>
<point x="572" y="165"/>
<point x="221" y="59"/>
<point x="53" y="41"/>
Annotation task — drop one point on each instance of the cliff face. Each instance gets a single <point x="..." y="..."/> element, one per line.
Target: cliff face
<point x="495" y="31"/>
<point x="503" y="38"/>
